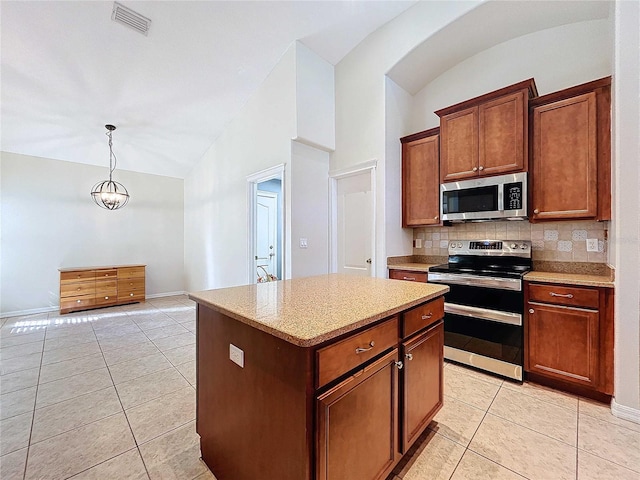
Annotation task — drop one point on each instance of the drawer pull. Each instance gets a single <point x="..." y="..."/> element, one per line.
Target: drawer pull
<point x="78" y="301"/>
<point x="531" y="310"/>
<point x="106" y="298"/>
<point x="409" y="278"/>
<point x="131" y="294"/>
<point x="399" y="365"/>
<point x="409" y="356"/>
<point x="359" y="349"/>
<point x="563" y="295"/>
<point x="427" y="316"/>
<point x="79" y="289"/>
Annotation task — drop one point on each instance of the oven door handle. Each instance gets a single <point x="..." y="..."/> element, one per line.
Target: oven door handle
<point x="476" y="281"/>
<point x="484" y="314"/>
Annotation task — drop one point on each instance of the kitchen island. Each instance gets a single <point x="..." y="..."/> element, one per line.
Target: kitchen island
<point x="325" y="377"/>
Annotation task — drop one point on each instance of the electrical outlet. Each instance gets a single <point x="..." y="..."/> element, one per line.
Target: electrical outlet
<point x="236" y="355"/>
<point x="592" y="244"/>
<point x="417" y="243"/>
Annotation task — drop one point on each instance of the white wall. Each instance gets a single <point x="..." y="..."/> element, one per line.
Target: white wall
<point x="49" y="221"/>
<point x="556" y="58"/>
<point x="625" y="239"/>
<point x="309" y="210"/>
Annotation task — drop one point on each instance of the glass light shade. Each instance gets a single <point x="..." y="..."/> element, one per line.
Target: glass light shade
<point x="110" y="195"/>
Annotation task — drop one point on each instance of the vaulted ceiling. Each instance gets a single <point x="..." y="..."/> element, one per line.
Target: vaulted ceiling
<point x="67" y="70"/>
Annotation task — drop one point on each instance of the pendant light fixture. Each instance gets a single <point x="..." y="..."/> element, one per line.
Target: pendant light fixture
<point x="109" y="194"/>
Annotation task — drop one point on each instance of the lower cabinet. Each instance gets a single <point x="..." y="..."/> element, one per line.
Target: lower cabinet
<point x="422" y="384"/>
<point x="410" y="275"/>
<point x="569" y="335"/>
<point x="358" y="424"/>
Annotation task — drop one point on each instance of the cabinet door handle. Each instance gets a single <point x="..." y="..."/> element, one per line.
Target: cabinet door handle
<point x="475" y="169"/>
<point x="363" y="349"/>
<point x="536" y="211"/>
<point x="531" y="310"/>
<point x="409" y="278"/>
<point x="427" y="316"/>
<point x="409" y="356"/>
<point x="563" y="295"/>
<point x="436" y="217"/>
<point x="481" y="168"/>
<point x="399" y="365"/>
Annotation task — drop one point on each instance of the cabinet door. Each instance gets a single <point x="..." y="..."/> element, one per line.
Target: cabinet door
<point x="502" y="134"/>
<point x="564" y="164"/>
<point x="357" y="424"/>
<point x="422" y="382"/>
<point x="563" y="343"/>
<point x="459" y="145"/>
<point x="421" y="182"/>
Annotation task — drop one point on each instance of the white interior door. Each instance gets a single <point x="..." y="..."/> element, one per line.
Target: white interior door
<point x="266" y="232"/>
<point x="354" y="205"/>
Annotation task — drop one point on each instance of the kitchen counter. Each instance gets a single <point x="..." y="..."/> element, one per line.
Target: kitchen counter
<point x="578" y="279"/>
<point x="309" y="311"/>
<point x="413" y="267"/>
<point x="293" y="374"/>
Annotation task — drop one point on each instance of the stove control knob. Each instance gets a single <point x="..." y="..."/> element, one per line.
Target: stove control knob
<point x="523" y="246"/>
<point x="453" y="245"/>
<point x="459" y="245"/>
<point x="513" y="245"/>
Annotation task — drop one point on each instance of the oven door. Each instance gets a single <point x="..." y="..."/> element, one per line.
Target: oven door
<point x="483" y="328"/>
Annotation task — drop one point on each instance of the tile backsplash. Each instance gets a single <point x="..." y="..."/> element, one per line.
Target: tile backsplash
<point x="552" y="241"/>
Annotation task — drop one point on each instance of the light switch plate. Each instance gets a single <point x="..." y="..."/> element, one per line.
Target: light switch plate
<point x="592" y="244"/>
<point x="303" y="243"/>
<point x="236" y="355"/>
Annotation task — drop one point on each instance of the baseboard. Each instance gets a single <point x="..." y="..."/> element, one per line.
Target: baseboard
<point x="31" y="311"/>
<point x="166" y="294"/>
<point x="624" y="412"/>
<point x="55" y="308"/>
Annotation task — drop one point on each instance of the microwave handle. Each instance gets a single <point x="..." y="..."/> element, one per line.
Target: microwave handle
<point x="501" y="197"/>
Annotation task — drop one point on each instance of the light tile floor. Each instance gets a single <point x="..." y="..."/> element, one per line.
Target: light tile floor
<point x="109" y="394"/>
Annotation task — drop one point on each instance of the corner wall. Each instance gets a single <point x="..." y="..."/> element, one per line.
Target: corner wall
<point x="49" y="221"/>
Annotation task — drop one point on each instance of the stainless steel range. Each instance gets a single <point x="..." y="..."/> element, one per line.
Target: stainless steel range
<point x="484" y="308"/>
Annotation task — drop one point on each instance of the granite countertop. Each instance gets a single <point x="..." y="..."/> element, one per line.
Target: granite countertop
<point x="412" y="266"/>
<point x="578" y="279"/>
<point x="309" y="311"/>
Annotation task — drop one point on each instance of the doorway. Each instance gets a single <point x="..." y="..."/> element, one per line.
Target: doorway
<point x="353" y="221"/>
<point x="266" y="225"/>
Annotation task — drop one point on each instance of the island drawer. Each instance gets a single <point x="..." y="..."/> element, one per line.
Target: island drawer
<point x="422" y="316"/>
<point x="345" y="355"/>
<point x="564" y="295"/>
<point x="408" y="275"/>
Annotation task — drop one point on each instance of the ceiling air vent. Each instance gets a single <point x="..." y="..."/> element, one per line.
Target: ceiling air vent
<point x="131" y="19"/>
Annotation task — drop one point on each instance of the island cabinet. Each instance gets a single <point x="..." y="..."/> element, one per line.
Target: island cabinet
<point x="571" y="153"/>
<point x="345" y="403"/>
<point x="486" y="135"/>
<point x="421" y="179"/>
<point x="569" y="337"/>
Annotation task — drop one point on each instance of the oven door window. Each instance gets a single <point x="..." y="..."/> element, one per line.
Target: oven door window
<point x="490" y="339"/>
<point x="479" y="199"/>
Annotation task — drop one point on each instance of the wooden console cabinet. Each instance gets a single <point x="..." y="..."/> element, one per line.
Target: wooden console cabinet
<point x="569" y="336"/>
<point x="96" y="287"/>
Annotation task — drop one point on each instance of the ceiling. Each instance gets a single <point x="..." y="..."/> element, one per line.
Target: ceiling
<point x="67" y="70"/>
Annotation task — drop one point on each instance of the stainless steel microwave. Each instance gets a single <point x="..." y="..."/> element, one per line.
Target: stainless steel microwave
<point x="490" y="198"/>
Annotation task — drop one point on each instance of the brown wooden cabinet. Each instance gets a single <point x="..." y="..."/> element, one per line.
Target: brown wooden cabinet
<point x="569" y="335"/>
<point x="486" y="135"/>
<point x="422" y="386"/>
<point x="571" y="153"/>
<point x="96" y="287"/>
<point x="408" y="275"/>
<point x="358" y="424"/>
<point x="421" y="179"/>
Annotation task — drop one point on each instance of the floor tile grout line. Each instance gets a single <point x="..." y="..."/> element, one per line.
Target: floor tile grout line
<point x="540" y="399"/>
<point x="637" y="472"/>
<point x="497" y="463"/>
<point x="577" y="439"/>
<point x="100" y="463"/>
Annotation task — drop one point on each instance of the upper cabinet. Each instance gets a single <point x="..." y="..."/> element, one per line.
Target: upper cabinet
<point x="486" y="135"/>
<point x="420" y="179"/>
<point x="571" y="153"/>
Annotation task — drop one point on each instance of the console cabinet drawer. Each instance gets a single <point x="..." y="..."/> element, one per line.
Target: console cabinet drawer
<point x="422" y="316"/>
<point x="130" y="272"/>
<point x="77" y="276"/>
<point x="69" y="304"/>
<point x="77" y="289"/>
<point x="345" y="355"/>
<point x="564" y="295"/>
